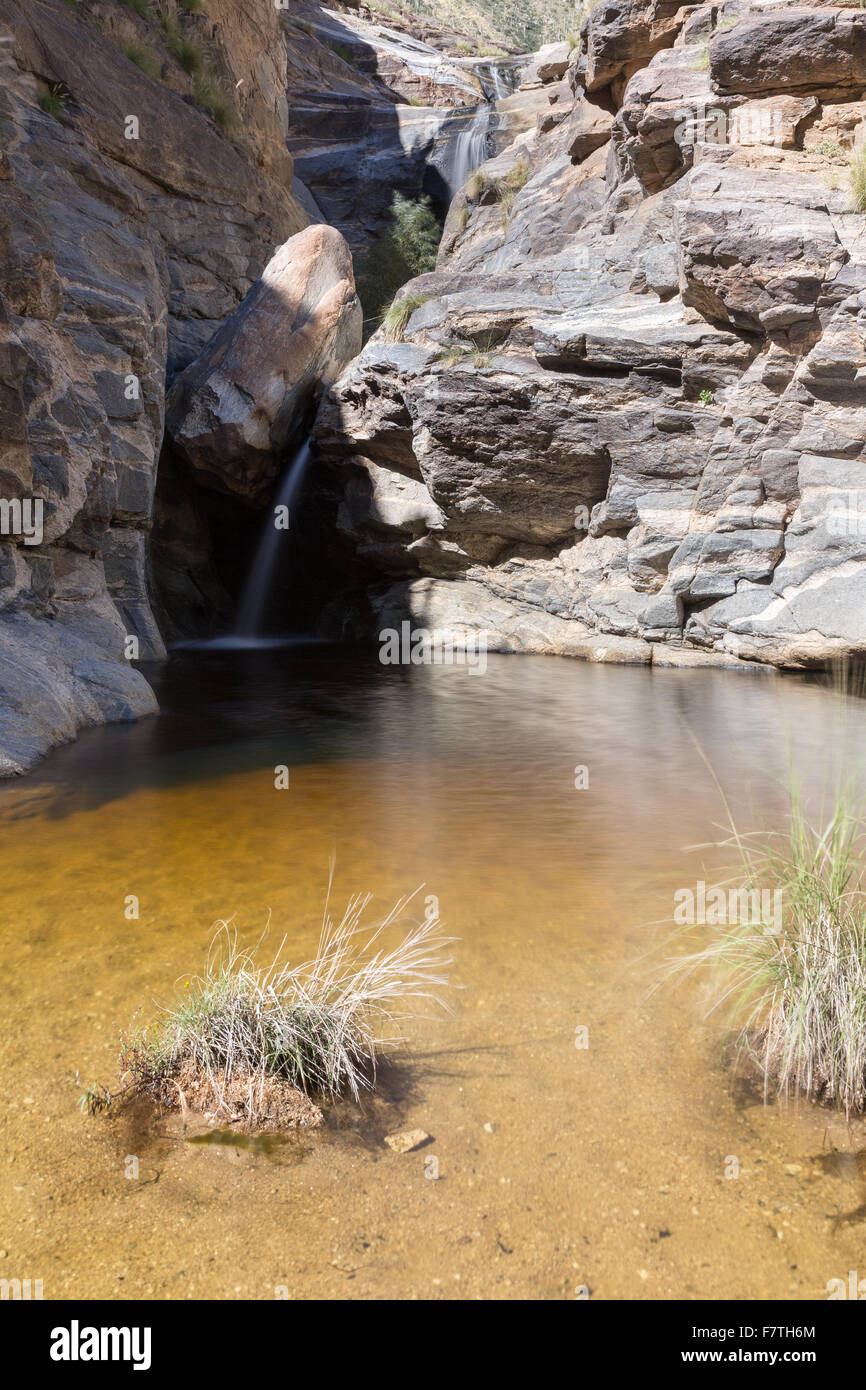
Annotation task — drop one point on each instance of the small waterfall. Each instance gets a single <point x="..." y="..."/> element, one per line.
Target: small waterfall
<point x="470" y="149"/>
<point x="493" y="79"/>
<point x="260" y="579"/>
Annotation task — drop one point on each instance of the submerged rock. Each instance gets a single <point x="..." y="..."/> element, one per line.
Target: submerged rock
<point x="407" y="1140"/>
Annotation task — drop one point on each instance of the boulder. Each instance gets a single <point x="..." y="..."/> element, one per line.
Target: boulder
<point x="790" y="50"/>
<point x="237" y="408"/>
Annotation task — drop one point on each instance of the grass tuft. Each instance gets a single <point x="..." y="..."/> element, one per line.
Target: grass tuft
<point x="857" y="176"/>
<point x="142" y="58"/>
<point x="319" y="1027"/>
<point x="398" y="315"/>
<point x="214" y="101"/>
<point x="186" y="51"/>
<point x="53" y="104"/>
<point x="794" y="990"/>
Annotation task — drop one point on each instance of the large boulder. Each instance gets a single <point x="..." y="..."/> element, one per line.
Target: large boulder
<point x="237" y="408"/>
<point x="791" y="50"/>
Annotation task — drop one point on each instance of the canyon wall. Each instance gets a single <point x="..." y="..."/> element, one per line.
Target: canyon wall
<point x="144" y="186"/>
<point x="625" y="417"/>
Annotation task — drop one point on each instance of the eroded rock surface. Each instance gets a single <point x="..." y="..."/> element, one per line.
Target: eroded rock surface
<point x="131" y="225"/>
<point x="629" y="406"/>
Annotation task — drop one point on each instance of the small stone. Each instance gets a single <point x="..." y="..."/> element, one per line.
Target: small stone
<point x="491" y="1128"/>
<point x="407" y="1140"/>
<point x="793" y="1168"/>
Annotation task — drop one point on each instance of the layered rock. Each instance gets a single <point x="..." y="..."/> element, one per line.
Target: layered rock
<point x="628" y="408"/>
<point x="131" y="226"/>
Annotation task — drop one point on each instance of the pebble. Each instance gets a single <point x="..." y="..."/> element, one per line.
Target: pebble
<point x="407" y="1140"/>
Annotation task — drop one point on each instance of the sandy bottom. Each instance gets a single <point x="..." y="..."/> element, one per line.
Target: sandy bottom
<point x="632" y="1167"/>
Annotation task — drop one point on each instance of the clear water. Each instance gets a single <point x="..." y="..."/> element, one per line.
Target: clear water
<point x="557" y="1167"/>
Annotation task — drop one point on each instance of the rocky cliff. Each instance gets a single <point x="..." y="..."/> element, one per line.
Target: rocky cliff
<point x="145" y="186"/>
<point x="625" y="417"/>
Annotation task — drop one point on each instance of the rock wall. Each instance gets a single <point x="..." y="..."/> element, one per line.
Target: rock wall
<point x="626" y="415"/>
<point x="131" y="225"/>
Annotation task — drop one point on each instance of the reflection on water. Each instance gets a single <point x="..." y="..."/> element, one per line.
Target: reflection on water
<point x="558" y="1167"/>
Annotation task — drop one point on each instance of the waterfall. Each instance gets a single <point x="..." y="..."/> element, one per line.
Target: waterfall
<point x="260" y="579"/>
<point x="470" y="149"/>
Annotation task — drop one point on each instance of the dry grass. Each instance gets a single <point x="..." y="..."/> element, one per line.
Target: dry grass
<point x="794" y="992"/>
<point x="243" y="1039"/>
<point x="398" y="315"/>
<point x="857" y="176"/>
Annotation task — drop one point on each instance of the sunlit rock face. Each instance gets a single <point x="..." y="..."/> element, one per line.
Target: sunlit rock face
<point x="236" y="409"/>
<point x="629" y="405"/>
<point x="124" y="244"/>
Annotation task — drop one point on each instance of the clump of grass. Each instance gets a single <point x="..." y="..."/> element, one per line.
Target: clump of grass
<point x="857" y="177"/>
<point x="140" y="7"/>
<point x="497" y="188"/>
<point x="186" y="51"/>
<point x="142" y="58"/>
<point x="398" y="315"/>
<point x="214" y="101"/>
<point x="795" y="991"/>
<point x="53" y="104"/>
<point x="192" y="6"/>
<point x="318" y="1028"/>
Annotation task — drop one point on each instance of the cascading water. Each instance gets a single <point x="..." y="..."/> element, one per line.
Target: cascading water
<point x="470" y="149"/>
<point x="472" y="146"/>
<point x="259" y="582"/>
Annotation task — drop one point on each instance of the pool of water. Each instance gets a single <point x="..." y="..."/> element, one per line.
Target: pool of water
<point x="559" y="1168"/>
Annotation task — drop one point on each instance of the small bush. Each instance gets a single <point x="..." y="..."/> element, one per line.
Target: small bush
<point x="187" y="53"/>
<point x="857" y="176"/>
<point x="706" y="397"/>
<point x="192" y="6"/>
<point x="53" y="104"/>
<point x="397" y="317"/>
<point x="142" y="58"/>
<point x="254" y="1042"/>
<point x="138" y="7"/>
<point x="407" y="248"/>
<point x="214" y="101"/>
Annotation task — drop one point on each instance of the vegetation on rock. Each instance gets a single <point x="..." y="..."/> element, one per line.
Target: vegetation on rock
<point x="254" y="1042"/>
<point x="407" y="248"/>
<point x="794" y="988"/>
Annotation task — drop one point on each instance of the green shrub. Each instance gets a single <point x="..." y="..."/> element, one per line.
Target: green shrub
<point x="831" y="149"/>
<point x="215" y="102"/>
<point x="706" y="397"/>
<point x="53" y="104"/>
<point x="407" y="248"/>
<point x="142" y="58"/>
<point x="186" y="51"/>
